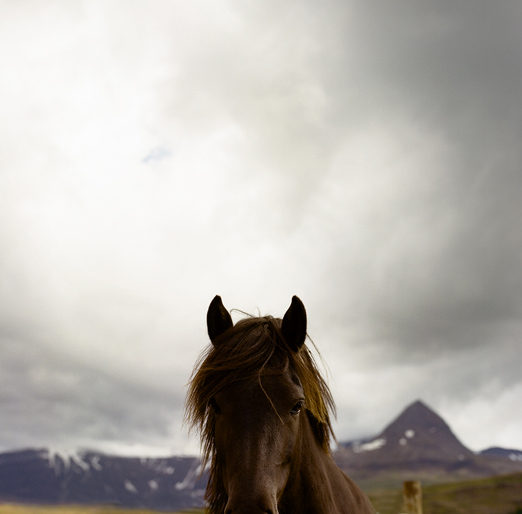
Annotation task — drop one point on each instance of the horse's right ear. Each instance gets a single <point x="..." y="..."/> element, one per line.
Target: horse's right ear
<point x="218" y="319"/>
<point x="293" y="325"/>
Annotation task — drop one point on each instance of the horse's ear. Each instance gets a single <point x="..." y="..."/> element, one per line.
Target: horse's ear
<point x="293" y="326"/>
<point x="218" y="319"/>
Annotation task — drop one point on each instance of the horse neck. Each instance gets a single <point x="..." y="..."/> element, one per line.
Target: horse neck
<point x="317" y="485"/>
<point x="312" y="477"/>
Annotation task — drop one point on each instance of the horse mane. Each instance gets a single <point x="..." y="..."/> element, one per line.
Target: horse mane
<point x="253" y="347"/>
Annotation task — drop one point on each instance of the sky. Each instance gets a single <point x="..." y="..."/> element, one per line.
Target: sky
<point x="364" y="156"/>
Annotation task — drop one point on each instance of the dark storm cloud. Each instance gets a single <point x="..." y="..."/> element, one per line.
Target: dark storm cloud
<point x="50" y="400"/>
<point x="456" y="73"/>
<point x="432" y="276"/>
<point x="363" y="155"/>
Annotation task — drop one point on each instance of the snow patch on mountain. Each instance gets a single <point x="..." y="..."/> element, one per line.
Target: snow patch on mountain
<point x="130" y="486"/>
<point x="190" y="478"/>
<point x="376" y="444"/>
<point x="409" y="434"/>
<point x="161" y="466"/>
<point x="61" y="459"/>
<point x="95" y="463"/>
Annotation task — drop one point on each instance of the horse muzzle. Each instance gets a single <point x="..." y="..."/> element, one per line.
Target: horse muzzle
<point x="250" y="507"/>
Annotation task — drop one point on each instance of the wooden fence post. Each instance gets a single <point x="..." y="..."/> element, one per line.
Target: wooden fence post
<point x="412" y="498"/>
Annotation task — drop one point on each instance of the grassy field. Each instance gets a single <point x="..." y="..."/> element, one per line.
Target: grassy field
<point x="76" y="509"/>
<point x="497" y="495"/>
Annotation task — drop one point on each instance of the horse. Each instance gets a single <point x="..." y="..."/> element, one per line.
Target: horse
<point x="263" y="411"/>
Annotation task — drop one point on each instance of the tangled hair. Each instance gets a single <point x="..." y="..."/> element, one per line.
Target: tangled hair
<point x="252" y="348"/>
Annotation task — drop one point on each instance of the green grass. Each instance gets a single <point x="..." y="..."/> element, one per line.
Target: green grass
<point x="77" y="509"/>
<point x="497" y="495"/>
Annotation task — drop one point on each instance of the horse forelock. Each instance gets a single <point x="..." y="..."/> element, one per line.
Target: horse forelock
<point x="253" y="347"/>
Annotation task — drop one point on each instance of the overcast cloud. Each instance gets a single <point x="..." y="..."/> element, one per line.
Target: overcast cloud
<point x="364" y="156"/>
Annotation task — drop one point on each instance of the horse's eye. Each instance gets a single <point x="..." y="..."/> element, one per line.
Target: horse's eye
<point x="215" y="406"/>
<point x="296" y="409"/>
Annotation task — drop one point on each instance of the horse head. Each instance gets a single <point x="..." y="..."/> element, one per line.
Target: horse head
<point x="263" y="413"/>
<point x="257" y="420"/>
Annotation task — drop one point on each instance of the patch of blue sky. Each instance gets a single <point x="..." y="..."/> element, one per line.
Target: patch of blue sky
<point x="157" y="154"/>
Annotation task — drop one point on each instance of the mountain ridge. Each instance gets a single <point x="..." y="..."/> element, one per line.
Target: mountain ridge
<point x="419" y="441"/>
<point x="88" y="477"/>
<point x="417" y="444"/>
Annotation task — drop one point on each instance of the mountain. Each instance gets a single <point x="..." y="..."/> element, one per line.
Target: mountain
<point x="514" y="455"/>
<point x="419" y="442"/>
<point x="417" y="445"/>
<point x="40" y="476"/>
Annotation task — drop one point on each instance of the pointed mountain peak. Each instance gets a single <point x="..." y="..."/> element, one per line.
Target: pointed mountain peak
<point x="419" y="441"/>
<point x="417" y="416"/>
<point x="418" y="432"/>
<point x="418" y="405"/>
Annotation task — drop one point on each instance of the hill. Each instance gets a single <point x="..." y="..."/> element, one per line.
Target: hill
<point x="420" y="444"/>
<point x="514" y="455"/>
<point x="41" y="477"/>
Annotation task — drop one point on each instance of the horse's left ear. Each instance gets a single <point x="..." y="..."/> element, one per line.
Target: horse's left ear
<point x="293" y="326"/>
